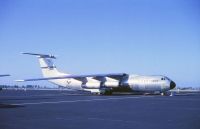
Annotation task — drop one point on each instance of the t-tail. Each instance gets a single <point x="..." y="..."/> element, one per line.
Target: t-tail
<point x="47" y="66"/>
<point x="50" y="71"/>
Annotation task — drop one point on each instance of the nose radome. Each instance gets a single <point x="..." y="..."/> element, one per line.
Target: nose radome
<point x="172" y="85"/>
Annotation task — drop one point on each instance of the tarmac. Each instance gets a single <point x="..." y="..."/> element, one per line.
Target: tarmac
<point x="34" y="109"/>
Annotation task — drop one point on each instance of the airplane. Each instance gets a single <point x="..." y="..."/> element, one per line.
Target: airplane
<point x="104" y="84"/>
<point x="3" y="75"/>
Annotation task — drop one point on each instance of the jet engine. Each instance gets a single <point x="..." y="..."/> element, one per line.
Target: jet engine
<point x="91" y="85"/>
<point x="111" y="84"/>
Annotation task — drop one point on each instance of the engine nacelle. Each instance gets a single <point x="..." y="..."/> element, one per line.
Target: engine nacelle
<point x="111" y="84"/>
<point x="92" y="85"/>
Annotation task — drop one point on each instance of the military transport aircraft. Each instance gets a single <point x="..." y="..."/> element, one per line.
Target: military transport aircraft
<point x="101" y="83"/>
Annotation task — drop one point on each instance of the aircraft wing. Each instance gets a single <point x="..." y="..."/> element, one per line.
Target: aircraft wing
<point x="3" y="75"/>
<point x="117" y="76"/>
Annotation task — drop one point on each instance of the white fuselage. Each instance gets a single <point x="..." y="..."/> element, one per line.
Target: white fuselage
<point x="134" y="82"/>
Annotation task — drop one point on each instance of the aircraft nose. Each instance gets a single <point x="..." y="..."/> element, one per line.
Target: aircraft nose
<point x="172" y="85"/>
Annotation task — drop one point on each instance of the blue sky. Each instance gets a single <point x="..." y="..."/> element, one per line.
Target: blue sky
<point x="102" y="36"/>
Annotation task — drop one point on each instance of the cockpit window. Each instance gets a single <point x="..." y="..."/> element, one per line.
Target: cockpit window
<point x="162" y="78"/>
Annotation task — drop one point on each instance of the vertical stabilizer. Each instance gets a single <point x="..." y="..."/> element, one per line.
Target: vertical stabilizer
<point x="47" y="66"/>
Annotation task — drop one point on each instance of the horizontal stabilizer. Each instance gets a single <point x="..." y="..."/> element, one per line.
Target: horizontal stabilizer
<point x="40" y="55"/>
<point x="79" y="77"/>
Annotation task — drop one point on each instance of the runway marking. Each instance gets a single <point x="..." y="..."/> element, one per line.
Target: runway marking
<point x="74" y="101"/>
<point x="98" y="119"/>
<point x="112" y="120"/>
<point x="43" y="95"/>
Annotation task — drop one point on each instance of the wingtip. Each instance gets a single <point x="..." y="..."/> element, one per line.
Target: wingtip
<point x="23" y="53"/>
<point x="4" y="75"/>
